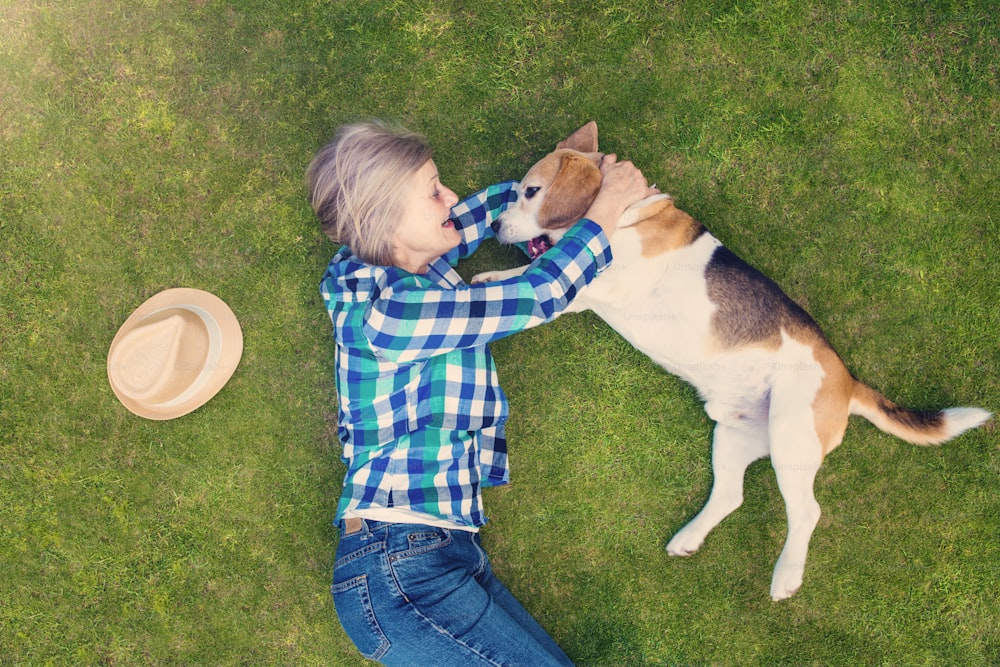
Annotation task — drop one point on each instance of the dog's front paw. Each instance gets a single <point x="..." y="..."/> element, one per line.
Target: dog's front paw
<point x="684" y="543"/>
<point x="486" y="277"/>
<point x="494" y="276"/>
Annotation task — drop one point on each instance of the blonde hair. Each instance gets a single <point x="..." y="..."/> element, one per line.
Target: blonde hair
<point x="356" y="185"/>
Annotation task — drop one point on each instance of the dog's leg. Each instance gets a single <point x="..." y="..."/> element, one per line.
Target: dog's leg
<point x="734" y="448"/>
<point x="796" y="455"/>
<point x="575" y="306"/>
<point x="494" y="276"/>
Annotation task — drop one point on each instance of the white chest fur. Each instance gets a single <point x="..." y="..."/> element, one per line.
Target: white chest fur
<point x="660" y="304"/>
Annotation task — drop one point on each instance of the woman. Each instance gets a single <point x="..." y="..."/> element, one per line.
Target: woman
<point x="421" y="411"/>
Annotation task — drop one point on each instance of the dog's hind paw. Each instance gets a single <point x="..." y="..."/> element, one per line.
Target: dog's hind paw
<point x="682" y="544"/>
<point x="786" y="582"/>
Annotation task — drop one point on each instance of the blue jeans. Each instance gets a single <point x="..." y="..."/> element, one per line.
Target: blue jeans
<point x="408" y="594"/>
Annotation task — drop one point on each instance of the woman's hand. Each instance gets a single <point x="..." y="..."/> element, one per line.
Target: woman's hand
<point x="621" y="186"/>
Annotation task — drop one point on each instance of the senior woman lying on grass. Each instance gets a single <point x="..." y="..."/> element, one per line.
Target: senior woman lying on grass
<point x="422" y="415"/>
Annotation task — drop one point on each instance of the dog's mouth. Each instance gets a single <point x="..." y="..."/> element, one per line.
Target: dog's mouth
<point x="538" y="245"/>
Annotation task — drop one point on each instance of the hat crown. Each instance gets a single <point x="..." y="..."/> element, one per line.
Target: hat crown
<point x="174" y="353"/>
<point x="145" y="355"/>
<point x="163" y="357"/>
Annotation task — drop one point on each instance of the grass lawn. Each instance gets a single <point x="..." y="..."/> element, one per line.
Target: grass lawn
<point x="847" y="149"/>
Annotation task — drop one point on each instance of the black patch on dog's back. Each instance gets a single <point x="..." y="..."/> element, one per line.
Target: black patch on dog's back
<point x="751" y="307"/>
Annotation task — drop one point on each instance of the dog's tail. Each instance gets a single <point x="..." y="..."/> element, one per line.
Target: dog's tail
<point x="917" y="426"/>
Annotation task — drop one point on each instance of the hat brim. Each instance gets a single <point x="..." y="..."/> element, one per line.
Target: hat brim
<point x="230" y="336"/>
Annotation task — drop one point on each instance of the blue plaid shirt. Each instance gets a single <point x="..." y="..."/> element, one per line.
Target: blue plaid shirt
<point x="422" y="413"/>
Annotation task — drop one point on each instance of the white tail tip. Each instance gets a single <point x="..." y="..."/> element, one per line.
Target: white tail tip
<point x="960" y="420"/>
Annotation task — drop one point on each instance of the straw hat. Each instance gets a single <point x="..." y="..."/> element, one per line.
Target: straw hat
<point x="174" y="353"/>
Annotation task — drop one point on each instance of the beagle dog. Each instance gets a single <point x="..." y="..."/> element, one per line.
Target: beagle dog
<point x="770" y="380"/>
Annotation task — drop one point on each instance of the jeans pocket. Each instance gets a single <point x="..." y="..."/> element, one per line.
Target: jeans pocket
<point x="424" y="541"/>
<point x="357" y="616"/>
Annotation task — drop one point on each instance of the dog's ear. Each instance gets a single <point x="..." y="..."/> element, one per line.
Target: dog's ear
<point x="571" y="193"/>
<point x="583" y="140"/>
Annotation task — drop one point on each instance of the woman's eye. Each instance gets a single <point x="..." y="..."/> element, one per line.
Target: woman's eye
<point x="531" y="192"/>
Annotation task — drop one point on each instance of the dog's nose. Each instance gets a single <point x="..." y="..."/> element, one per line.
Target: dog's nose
<point x="496" y="226"/>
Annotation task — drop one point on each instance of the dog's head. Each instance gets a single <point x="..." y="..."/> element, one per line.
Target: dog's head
<point x="556" y="191"/>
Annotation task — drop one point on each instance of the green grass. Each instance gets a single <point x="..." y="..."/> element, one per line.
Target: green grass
<point x="849" y="150"/>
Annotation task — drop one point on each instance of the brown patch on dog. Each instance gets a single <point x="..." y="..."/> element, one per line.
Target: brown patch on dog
<point x="573" y="189"/>
<point x="663" y="227"/>
<point x="832" y="403"/>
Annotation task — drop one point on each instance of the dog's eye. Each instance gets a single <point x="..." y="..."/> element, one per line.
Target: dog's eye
<point x="530" y="192"/>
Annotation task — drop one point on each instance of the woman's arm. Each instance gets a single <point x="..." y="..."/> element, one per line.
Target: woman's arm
<point x="474" y="215"/>
<point x="410" y="320"/>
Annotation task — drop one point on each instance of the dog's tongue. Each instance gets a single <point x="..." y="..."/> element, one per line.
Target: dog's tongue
<point x="537" y="246"/>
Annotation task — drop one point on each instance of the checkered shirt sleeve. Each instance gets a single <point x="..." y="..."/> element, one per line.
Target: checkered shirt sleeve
<point x="413" y="318"/>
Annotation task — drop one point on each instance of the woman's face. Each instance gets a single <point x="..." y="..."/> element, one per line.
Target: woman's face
<point x="425" y="231"/>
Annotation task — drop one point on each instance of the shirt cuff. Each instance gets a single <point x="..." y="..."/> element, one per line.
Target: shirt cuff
<point x="590" y="234"/>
